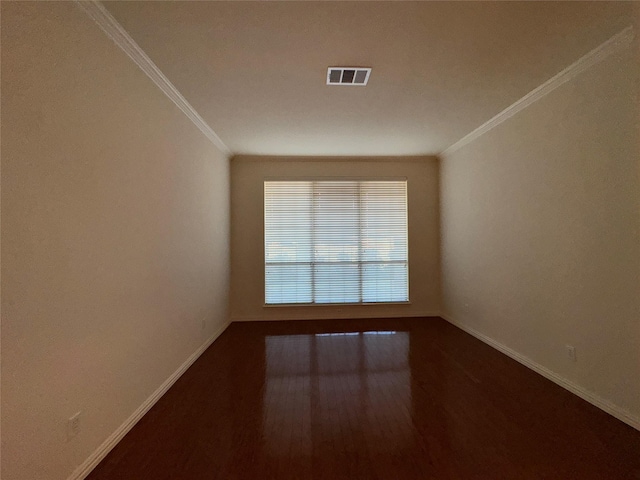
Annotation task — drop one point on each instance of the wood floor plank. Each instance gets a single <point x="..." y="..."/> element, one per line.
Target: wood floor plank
<point x="368" y="399"/>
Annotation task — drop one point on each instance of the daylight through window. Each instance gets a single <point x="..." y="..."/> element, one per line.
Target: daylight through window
<point x="335" y="242"/>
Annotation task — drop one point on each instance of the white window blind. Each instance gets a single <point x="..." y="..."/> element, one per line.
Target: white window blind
<point x="335" y="241"/>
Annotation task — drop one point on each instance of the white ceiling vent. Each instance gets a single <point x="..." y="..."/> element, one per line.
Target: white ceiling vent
<point x="348" y="76"/>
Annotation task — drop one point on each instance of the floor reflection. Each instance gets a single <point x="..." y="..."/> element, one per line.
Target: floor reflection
<point x="405" y="399"/>
<point x="337" y="387"/>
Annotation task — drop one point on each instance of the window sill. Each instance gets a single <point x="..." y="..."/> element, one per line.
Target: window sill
<point x="289" y="305"/>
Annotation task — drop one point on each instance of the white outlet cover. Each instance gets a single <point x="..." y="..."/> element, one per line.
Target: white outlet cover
<point x="571" y="352"/>
<point x="73" y="425"/>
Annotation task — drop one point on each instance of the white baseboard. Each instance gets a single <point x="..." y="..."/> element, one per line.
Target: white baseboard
<point x="612" y="409"/>
<point x="96" y="457"/>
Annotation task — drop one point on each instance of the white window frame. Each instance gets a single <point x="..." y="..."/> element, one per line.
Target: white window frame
<point x="336" y="179"/>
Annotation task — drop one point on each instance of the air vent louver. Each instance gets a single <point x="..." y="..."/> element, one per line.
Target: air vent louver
<point x="348" y="76"/>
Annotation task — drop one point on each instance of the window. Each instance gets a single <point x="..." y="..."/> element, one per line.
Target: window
<point x="335" y="242"/>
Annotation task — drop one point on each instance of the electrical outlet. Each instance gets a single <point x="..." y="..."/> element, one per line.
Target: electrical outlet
<point x="571" y="353"/>
<point x="204" y="324"/>
<point x="73" y="426"/>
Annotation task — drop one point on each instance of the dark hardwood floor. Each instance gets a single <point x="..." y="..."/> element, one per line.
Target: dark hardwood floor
<point x="368" y="399"/>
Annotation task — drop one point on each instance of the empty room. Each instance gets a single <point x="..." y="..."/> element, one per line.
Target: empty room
<point x="334" y="240"/>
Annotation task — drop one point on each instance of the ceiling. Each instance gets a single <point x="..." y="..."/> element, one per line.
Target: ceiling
<point x="256" y="71"/>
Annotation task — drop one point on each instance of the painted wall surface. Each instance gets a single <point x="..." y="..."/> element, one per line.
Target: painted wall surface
<point x="541" y="232"/>
<point x="115" y="223"/>
<point x="247" y="233"/>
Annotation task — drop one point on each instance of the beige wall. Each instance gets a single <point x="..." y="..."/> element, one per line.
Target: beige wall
<point x="247" y="237"/>
<point x="114" y="238"/>
<point x="541" y="233"/>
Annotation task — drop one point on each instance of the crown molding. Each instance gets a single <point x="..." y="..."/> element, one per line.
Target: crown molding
<point x="110" y="26"/>
<point x="616" y="43"/>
